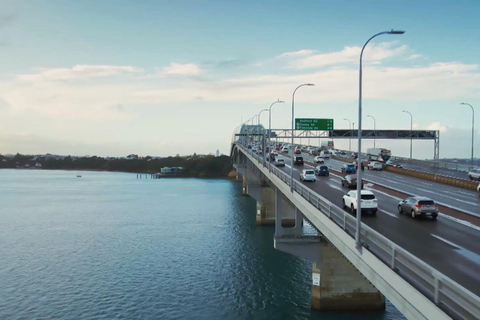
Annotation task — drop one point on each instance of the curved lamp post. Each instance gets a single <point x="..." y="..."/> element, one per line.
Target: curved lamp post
<point x="473" y="126"/>
<point x="374" y="128"/>
<point x="293" y="127"/>
<point x="270" y="128"/>
<point x="411" y="128"/>
<point x="359" y="172"/>
<point x="349" y="139"/>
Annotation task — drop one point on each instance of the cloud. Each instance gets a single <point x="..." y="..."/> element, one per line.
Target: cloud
<point x="76" y="72"/>
<point x="177" y="69"/>
<point x="308" y="59"/>
<point x="437" y="126"/>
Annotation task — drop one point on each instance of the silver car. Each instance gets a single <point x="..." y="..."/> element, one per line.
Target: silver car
<point x="418" y="206"/>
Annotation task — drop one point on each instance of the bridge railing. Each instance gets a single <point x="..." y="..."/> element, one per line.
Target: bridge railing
<point x="443" y="291"/>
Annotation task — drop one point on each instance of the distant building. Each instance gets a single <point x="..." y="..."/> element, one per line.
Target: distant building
<point x="217" y="153"/>
<point x="171" y="170"/>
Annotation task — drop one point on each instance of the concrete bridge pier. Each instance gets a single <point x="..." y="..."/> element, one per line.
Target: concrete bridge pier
<point x="338" y="286"/>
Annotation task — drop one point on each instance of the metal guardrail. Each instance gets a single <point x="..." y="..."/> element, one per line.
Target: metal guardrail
<point x="443" y="291"/>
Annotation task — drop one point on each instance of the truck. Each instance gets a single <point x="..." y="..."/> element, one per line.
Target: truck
<point x="326" y="144"/>
<point x="378" y="154"/>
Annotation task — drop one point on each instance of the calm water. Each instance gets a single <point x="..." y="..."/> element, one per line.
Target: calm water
<point x="108" y="245"/>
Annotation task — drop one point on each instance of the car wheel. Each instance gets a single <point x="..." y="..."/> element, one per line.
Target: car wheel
<point x="413" y="214"/>
<point x="434" y="217"/>
<point x="374" y="212"/>
<point x="343" y="203"/>
<point x="399" y="209"/>
<point x="352" y="210"/>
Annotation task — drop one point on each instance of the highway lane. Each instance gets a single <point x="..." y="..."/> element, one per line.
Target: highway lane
<point x="451" y="196"/>
<point x="449" y="247"/>
<point x="430" y="169"/>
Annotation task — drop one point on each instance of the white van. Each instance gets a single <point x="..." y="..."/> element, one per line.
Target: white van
<point x="325" y="154"/>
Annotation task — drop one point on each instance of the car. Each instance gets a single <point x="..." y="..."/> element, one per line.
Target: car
<point x="298" y="151"/>
<point x="368" y="202"/>
<point x="474" y="174"/>
<point x="298" y="160"/>
<point x="285" y="149"/>
<point x="478" y="189"/>
<point x="275" y="153"/>
<point x="318" y="159"/>
<point x="349" y="168"/>
<point x="343" y="153"/>
<point x="308" y="175"/>
<point x="350" y="181"/>
<point x="270" y="157"/>
<point x="418" y="206"/>
<point x="279" y="162"/>
<point x="375" y="165"/>
<point x="314" y="152"/>
<point x="321" y="171"/>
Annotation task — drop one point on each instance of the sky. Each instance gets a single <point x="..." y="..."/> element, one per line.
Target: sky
<point x="160" y="78"/>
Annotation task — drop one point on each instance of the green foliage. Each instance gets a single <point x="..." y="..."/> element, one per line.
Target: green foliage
<point x="194" y="166"/>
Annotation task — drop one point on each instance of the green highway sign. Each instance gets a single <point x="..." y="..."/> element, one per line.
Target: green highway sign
<point x="313" y="124"/>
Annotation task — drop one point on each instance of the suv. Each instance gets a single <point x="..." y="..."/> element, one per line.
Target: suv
<point x="308" y="175"/>
<point x="279" y="162"/>
<point x="368" y="202"/>
<point x="374" y="165"/>
<point x="418" y="206"/>
<point x="321" y="171"/>
<point x="349" y="168"/>
<point x="350" y="181"/>
<point x="298" y="160"/>
<point x="474" y="174"/>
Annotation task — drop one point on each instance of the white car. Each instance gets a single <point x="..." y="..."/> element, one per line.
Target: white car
<point x="474" y="174"/>
<point x="368" y="203"/>
<point x="279" y="162"/>
<point x="275" y="153"/>
<point x="375" y="165"/>
<point x="308" y="175"/>
<point x="318" y="159"/>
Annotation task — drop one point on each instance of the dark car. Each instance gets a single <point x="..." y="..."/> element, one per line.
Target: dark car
<point x="349" y="168"/>
<point x="350" y="181"/>
<point x="418" y="206"/>
<point x="298" y="160"/>
<point x="321" y="171"/>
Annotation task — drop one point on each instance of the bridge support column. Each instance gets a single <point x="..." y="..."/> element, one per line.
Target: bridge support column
<point x="244" y="186"/>
<point x="338" y="286"/>
<point x="266" y="207"/>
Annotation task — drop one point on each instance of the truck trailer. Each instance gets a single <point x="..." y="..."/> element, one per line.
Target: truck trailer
<point x="378" y="154"/>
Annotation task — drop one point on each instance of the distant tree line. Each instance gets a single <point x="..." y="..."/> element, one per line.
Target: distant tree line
<point x="194" y="165"/>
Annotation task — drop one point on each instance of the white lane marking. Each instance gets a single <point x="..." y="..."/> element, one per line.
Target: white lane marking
<point x="390" y="214"/>
<point x="462" y="222"/>
<point x="446" y="241"/>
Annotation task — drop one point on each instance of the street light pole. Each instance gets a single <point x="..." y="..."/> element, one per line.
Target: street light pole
<point x="359" y="154"/>
<point x="374" y="128"/>
<point x="270" y="129"/>
<point x="411" y="128"/>
<point x="349" y="139"/>
<point x="293" y="120"/>
<point x="260" y="114"/>
<point x="473" y="126"/>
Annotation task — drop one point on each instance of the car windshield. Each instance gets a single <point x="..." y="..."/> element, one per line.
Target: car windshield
<point x="368" y="196"/>
<point x="309" y="172"/>
<point x="426" y="202"/>
<point x="323" y="167"/>
<point x="350" y="165"/>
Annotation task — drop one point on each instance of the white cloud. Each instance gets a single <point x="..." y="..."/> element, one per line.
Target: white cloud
<point x="437" y="126"/>
<point x="76" y="72"/>
<point x="308" y="59"/>
<point x="178" y="69"/>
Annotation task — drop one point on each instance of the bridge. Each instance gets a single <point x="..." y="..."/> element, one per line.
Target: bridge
<point x="428" y="270"/>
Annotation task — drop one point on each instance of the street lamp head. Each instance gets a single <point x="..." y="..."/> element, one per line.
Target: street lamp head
<point x="309" y="84"/>
<point x="462" y="103"/>
<point x="369" y="116"/>
<point x="396" y="32"/>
